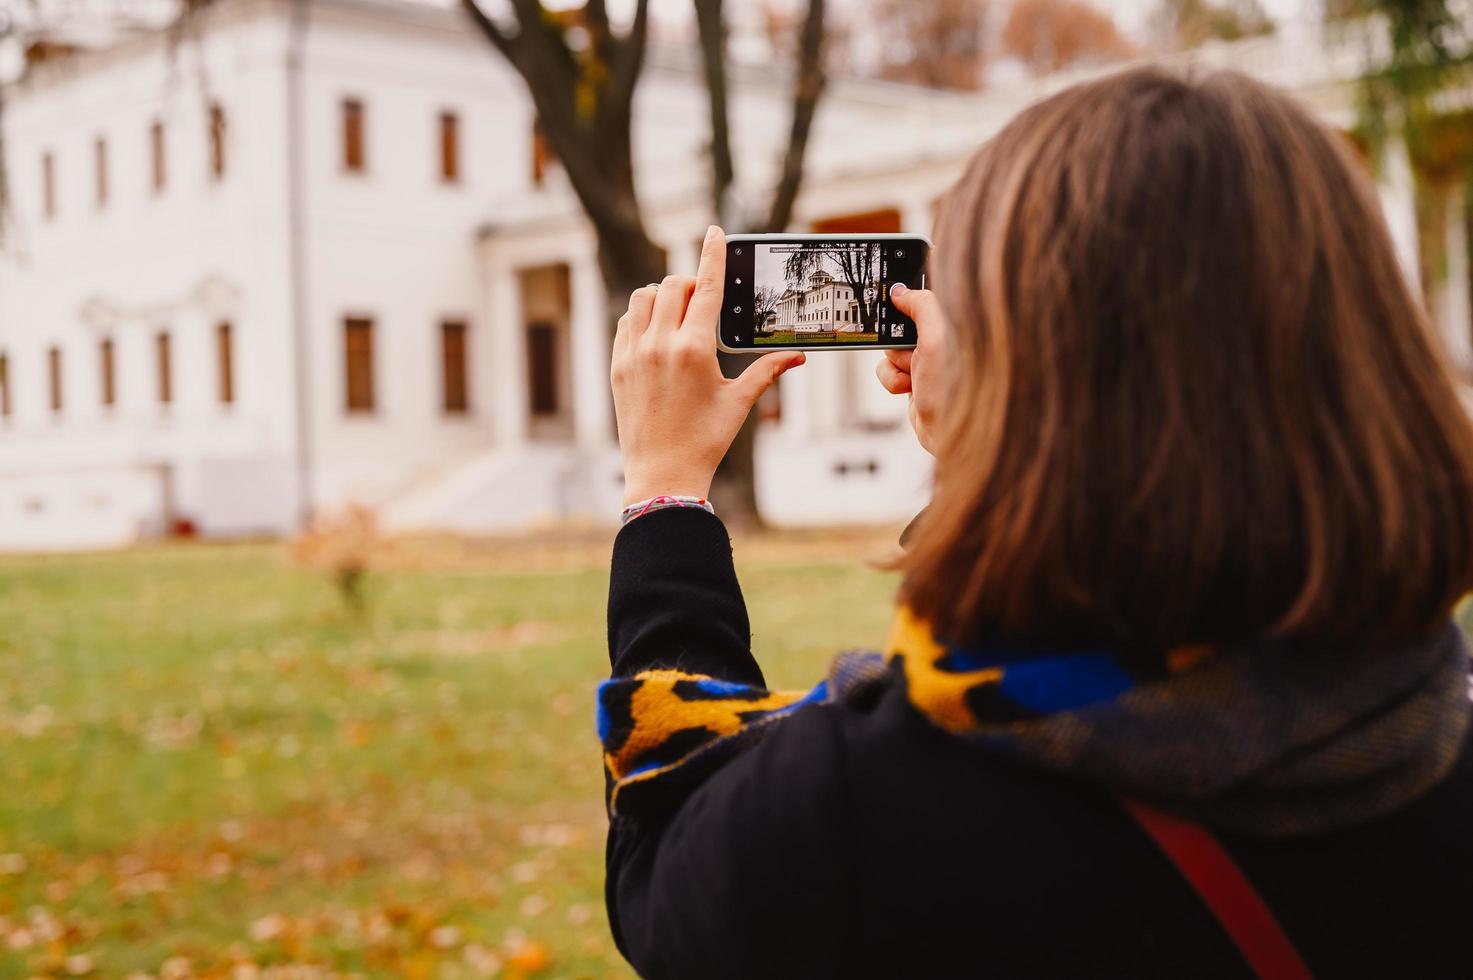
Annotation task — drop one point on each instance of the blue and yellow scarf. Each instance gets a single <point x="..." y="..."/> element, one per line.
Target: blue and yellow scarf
<point x="1258" y="739"/>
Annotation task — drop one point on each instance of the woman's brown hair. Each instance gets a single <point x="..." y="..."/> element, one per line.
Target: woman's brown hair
<point x="1190" y="396"/>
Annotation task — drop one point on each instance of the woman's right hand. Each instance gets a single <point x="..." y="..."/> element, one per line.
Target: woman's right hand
<point x="910" y="372"/>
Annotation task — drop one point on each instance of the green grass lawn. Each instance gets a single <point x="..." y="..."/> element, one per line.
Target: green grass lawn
<point x="209" y="764"/>
<point x="814" y="337"/>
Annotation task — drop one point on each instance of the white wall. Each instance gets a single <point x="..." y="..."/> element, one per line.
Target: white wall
<point x="180" y="260"/>
<point x="397" y="243"/>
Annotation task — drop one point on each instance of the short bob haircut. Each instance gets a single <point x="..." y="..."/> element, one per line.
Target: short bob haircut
<point x="1190" y="397"/>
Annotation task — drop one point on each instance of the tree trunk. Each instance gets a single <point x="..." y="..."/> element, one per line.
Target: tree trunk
<point x="734" y="490"/>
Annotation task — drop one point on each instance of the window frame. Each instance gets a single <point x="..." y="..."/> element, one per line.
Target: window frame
<point x="55" y="381"/>
<point x="107" y="367"/>
<point x="361" y="398"/>
<point x="215" y="136"/>
<point x="450" y="145"/>
<point x="101" y="186"/>
<point x="158" y="156"/>
<point x="225" y="363"/>
<point x="48" y="185"/>
<point x="353" y="135"/>
<point x="163" y="354"/>
<point x="458" y="381"/>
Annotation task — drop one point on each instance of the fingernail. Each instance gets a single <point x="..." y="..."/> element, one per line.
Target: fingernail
<point x="711" y="231"/>
<point x="899" y="289"/>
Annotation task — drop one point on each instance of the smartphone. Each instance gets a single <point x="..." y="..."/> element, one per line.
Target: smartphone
<point x="819" y="292"/>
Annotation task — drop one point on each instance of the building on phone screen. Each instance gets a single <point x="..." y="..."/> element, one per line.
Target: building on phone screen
<point x="823" y="305"/>
<point x="286" y="263"/>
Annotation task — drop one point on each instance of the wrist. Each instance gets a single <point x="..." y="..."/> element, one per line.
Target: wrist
<point x="663" y="502"/>
<point x="645" y="487"/>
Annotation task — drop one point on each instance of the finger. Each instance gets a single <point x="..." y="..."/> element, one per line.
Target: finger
<point x="670" y="302"/>
<point x="900" y="359"/>
<point x="704" y="311"/>
<point x="893" y="380"/>
<point x="918" y="304"/>
<point x="761" y="373"/>
<point x="641" y="304"/>
<point x="621" y="336"/>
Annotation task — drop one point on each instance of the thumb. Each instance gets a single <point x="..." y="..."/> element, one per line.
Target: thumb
<point x="761" y="373"/>
<point x="914" y="303"/>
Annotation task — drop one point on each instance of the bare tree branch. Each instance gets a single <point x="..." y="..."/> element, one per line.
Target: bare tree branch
<point x="583" y="100"/>
<point x="807" y="88"/>
<point x="711" y="30"/>
<point x="630" y="63"/>
<point x="596" y="15"/>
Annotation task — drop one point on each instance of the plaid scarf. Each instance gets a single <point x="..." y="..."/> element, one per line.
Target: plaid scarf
<point x="1255" y="739"/>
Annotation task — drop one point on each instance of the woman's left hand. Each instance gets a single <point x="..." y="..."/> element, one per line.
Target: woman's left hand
<point x="677" y="413"/>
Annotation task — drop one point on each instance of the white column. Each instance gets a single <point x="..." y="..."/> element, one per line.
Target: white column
<point x="507" y="354"/>
<point x="1399" y="202"/>
<point x="593" y="421"/>
<point x="1451" y="303"/>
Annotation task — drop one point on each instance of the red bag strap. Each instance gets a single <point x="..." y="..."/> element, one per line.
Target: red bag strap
<point x="1224" y="889"/>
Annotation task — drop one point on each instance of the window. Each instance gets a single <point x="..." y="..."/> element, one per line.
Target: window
<point x="358" y="363"/>
<point x="105" y="363"/>
<point x="353" y="155"/>
<point x="453" y="367"/>
<point x="225" y="363"/>
<point x="48" y="185"/>
<point x="162" y="354"/>
<point x="217" y="140"/>
<point x="449" y="148"/>
<point x="99" y="162"/>
<point x="53" y="373"/>
<point x="542" y="157"/>
<point x="4" y="385"/>
<point x="156" y="151"/>
<point x="542" y="368"/>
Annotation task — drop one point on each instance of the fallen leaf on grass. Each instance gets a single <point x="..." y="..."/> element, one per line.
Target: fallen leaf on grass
<point x="531" y="957"/>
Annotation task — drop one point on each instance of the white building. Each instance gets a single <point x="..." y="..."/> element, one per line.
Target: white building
<point x="826" y="305"/>
<point x="296" y="263"/>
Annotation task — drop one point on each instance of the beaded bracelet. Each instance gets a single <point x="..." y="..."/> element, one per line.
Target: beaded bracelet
<point x="653" y="504"/>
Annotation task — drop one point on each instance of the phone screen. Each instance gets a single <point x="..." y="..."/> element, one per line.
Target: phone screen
<point x="814" y="291"/>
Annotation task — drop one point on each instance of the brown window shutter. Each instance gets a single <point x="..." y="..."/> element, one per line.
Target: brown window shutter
<point x="217" y="140"/>
<point x="449" y="147"/>
<point x="453" y="367"/>
<point x="48" y="185"/>
<point x="353" y="125"/>
<point x="358" y="363"/>
<point x="160" y="161"/>
<point x="99" y="151"/>
<point x="225" y="359"/>
<point x="163" y="353"/>
<point x="542" y="155"/>
<point x="105" y="361"/>
<point x="53" y="370"/>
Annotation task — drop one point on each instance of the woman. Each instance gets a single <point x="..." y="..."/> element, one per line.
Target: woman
<point x="1172" y="690"/>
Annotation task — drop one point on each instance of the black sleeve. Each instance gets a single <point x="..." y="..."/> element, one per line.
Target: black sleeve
<point x="674" y="601"/>
<point x="749" y="877"/>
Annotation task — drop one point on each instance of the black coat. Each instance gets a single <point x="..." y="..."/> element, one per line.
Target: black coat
<point x="866" y="842"/>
